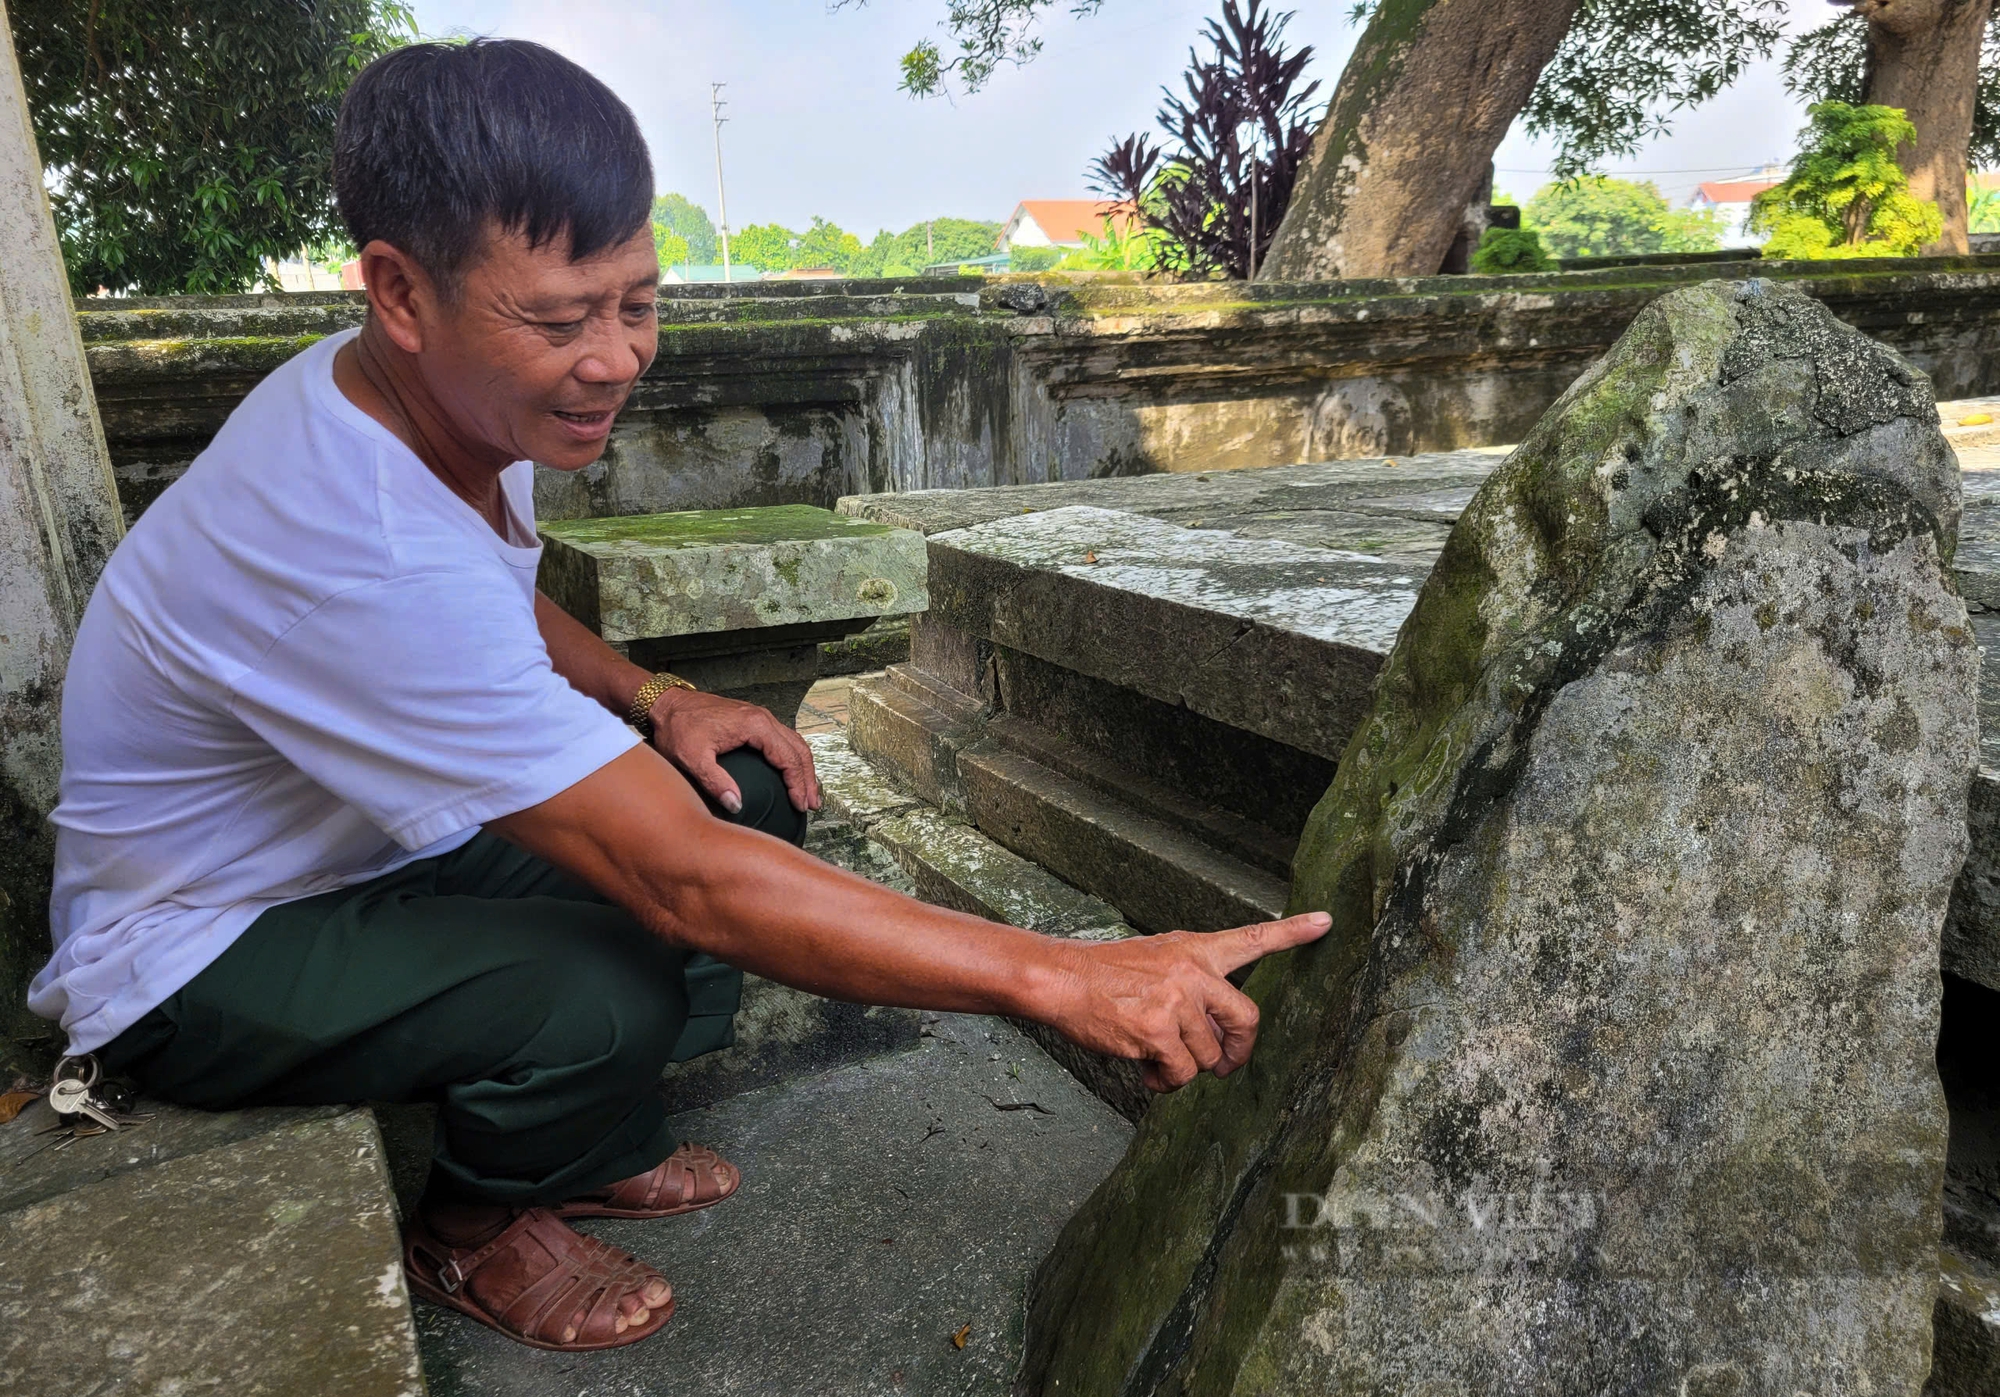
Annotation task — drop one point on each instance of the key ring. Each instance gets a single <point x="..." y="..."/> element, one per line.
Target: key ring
<point x="85" y="1063"/>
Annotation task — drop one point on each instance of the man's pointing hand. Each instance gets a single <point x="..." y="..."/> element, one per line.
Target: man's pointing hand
<point x="1164" y="1000"/>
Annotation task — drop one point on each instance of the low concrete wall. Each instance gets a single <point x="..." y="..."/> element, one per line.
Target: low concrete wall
<point x="803" y="392"/>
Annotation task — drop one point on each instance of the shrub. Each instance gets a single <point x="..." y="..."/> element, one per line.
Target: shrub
<point x="1507" y="251"/>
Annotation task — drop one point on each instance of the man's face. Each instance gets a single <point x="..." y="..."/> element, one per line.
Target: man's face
<point x="537" y="353"/>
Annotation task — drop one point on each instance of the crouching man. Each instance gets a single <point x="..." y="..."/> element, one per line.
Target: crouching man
<point x="350" y="812"/>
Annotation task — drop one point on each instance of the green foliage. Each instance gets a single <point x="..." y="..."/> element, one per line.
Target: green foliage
<point x="772" y="247"/>
<point x="767" y="246"/>
<point x="1625" y="65"/>
<point x="1033" y="259"/>
<point x="671" y="246"/>
<point x="1238" y="136"/>
<point x="1846" y="196"/>
<point x="1116" y="251"/>
<point x="682" y="215"/>
<point x="1982" y="207"/>
<point x="827" y="245"/>
<point x="925" y="244"/>
<point x="1511" y="250"/>
<point x="1692" y="230"/>
<point x="988" y="33"/>
<point x="1595" y="216"/>
<point x="1829" y="64"/>
<point x="184" y="143"/>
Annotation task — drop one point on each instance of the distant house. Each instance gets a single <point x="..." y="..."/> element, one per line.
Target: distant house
<point x="685" y="272"/>
<point x="1731" y="198"/>
<point x="1060" y="222"/>
<point x="807" y="274"/>
<point x="302" y="274"/>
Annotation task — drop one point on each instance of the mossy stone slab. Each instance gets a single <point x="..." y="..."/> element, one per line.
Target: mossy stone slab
<point x="698" y="572"/>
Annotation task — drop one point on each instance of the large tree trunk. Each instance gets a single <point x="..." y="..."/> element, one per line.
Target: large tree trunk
<point x="1425" y="100"/>
<point x="1923" y="56"/>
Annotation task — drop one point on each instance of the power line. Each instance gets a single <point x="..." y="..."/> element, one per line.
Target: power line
<point x="1688" y="170"/>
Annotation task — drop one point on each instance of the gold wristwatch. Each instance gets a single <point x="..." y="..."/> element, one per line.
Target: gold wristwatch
<point x="640" y="714"/>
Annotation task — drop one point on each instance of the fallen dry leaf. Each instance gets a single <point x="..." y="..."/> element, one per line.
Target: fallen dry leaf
<point x="1975" y="419"/>
<point x="15" y="1102"/>
<point x="958" y="1339"/>
<point x="1091" y="556"/>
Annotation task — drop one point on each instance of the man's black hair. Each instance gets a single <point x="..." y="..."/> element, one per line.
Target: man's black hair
<point x="437" y="141"/>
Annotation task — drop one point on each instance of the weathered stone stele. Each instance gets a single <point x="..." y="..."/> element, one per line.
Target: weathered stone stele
<point x="1615" y="1074"/>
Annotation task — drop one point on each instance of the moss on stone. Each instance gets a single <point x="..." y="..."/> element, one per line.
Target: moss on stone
<point x="711" y="528"/>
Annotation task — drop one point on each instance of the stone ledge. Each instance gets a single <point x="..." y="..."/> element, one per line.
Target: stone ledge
<point x="267" y="1266"/>
<point x="652" y="576"/>
<point x="1229" y="499"/>
<point x="32" y="1170"/>
<point x="1160" y="877"/>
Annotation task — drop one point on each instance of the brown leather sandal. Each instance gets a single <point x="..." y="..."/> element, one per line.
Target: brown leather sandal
<point x="529" y="1282"/>
<point x="691" y="1178"/>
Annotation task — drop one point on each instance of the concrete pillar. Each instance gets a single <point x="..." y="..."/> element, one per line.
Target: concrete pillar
<point x="59" y="521"/>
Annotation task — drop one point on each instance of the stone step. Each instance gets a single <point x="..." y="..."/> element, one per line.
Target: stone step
<point x="249" y="1251"/>
<point x="886" y="1206"/>
<point x="948" y="862"/>
<point x="1159" y="877"/>
<point x="1158" y="874"/>
<point x="915" y="728"/>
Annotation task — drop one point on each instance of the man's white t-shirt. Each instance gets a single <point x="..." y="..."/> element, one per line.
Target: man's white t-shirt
<point x="308" y="664"/>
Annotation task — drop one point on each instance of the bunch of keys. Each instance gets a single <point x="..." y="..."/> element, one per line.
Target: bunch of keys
<point x="81" y="1108"/>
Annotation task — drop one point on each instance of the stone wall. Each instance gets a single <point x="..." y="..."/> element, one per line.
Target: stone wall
<point x="803" y="392"/>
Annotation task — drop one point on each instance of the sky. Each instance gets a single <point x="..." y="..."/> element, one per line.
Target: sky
<point x="817" y="126"/>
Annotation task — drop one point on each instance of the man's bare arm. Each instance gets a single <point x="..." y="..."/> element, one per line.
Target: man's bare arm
<point x="581" y="656"/>
<point x="636" y="831"/>
<point x="691" y="729"/>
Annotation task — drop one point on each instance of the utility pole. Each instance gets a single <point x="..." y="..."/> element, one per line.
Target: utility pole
<point x="715" y="106"/>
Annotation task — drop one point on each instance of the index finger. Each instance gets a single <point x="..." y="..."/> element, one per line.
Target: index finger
<point x="1228" y="950"/>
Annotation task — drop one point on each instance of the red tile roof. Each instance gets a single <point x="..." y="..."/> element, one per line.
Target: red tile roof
<point x="1736" y="191"/>
<point x="1067" y="220"/>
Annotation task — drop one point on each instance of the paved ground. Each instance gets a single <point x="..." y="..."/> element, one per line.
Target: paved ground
<point x="885" y="1206"/>
<point x="825" y="708"/>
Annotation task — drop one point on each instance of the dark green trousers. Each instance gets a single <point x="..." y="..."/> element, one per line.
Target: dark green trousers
<point x="537" y="1015"/>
